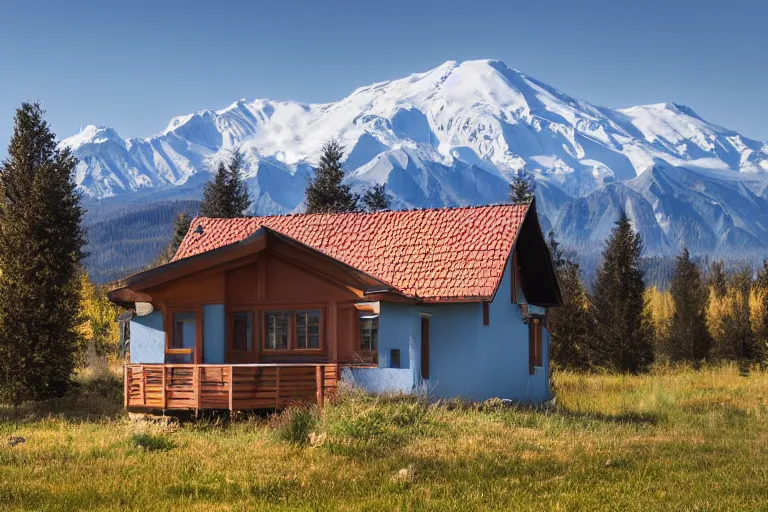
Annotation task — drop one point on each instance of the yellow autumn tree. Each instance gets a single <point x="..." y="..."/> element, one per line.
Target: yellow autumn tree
<point x="661" y="309"/>
<point x="99" y="330"/>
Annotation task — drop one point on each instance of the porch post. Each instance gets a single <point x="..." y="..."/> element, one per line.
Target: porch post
<point x="125" y="386"/>
<point x="277" y="387"/>
<point x="319" y="383"/>
<point x="231" y="387"/>
<point x="164" y="397"/>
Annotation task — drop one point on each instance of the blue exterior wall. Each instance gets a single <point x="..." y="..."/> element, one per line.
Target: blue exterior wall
<point x="380" y="380"/>
<point x="148" y="338"/>
<point x="467" y="358"/>
<point x="213" y="333"/>
<point x="479" y="361"/>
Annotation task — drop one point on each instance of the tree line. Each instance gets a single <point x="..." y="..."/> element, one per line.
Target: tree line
<point x="707" y="315"/>
<point x="226" y="196"/>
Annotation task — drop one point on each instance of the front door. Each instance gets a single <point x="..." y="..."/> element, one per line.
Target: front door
<point x="241" y="337"/>
<point x="425" y="347"/>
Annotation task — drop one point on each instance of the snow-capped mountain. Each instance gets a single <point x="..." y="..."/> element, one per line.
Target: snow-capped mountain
<point x="456" y="135"/>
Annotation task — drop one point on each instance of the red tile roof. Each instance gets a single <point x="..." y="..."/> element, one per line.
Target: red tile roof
<point x="437" y="254"/>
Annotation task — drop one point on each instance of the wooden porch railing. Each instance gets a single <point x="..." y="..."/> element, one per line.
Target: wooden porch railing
<point x="227" y="386"/>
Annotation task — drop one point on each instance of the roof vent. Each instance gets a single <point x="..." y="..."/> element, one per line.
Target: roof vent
<point x="199" y="229"/>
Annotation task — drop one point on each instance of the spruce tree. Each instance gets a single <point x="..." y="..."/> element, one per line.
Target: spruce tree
<point x="688" y="339"/>
<point x="226" y="196"/>
<point x="40" y="255"/>
<point x="718" y="278"/>
<point x="623" y="333"/>
<point x="325" y="192"/>
<point x="741" y="337"/>
<point x="238" y="190"/>
<point x="758" y="308"/>
<point x="570" y="325"/>
<point x="181" y="226"/>
<point x="522" y="187"/>
<point x="375" y="199"/>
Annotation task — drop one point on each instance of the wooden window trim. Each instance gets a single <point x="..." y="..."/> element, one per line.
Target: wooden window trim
<point x="486" y="313"/>
<point x="535" y="345"/>
<point x="295" y="332"/>
<point x="292" y="348"/>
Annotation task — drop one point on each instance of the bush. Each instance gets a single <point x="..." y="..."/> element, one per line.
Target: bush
<point x="151" y="442"/>
<point x="295" y="424"/>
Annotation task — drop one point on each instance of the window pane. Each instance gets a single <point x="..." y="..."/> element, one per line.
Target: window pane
<point x="184" y="329"/>
<point x="277" y="330"/>
<point x="308" y="329"/>
<point x="242" y="331"/>
<point x="369" y="331"/>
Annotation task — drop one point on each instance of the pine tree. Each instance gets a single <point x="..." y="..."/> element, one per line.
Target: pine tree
<point x="758" y="312"/>
<point x="325" y="192"/>
<point x="718" y="277"/>
<point x="741" y="337"/>
<point x="623" y="332"/>
<point x="376" y="199"/>
<point x="522" y="187"/>
<point x="40" y="255"/>
<point x="226" y="196"/>
<point x="181" y="226"/>
<point x="570" y="325"/>
<point x="688" y="339"/>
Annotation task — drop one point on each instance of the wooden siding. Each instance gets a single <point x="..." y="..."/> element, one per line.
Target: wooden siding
<point x="227" y="386"/>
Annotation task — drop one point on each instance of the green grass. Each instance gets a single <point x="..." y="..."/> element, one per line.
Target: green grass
<point x="672" y="440"/>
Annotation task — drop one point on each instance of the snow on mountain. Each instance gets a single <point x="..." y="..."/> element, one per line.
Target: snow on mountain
<point x="456" y="135"/>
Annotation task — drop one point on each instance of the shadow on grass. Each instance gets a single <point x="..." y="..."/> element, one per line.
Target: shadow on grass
<point x="93" y="399"/>
<point x="625" y="418"/>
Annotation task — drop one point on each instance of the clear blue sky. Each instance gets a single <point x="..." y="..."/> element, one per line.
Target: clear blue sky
<point x="133" y="65"/>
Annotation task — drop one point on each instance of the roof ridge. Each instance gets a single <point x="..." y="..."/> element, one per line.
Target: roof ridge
<point x="365" y="213"/>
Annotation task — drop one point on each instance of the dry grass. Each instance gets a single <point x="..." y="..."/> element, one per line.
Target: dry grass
<point x="672" y="440"/>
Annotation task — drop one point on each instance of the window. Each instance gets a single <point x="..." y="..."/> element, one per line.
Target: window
<point x="182" y="337"/>
<point x="486" y="313"/>
<point x="277" y="327"/>
<point x="394" y="358"/>
<point x="535" y="350"/>
<point x="242" y="331"/>
<point x="184" y="329"/>
<point x="369" y="331"/>
<point x="308" y="329"/>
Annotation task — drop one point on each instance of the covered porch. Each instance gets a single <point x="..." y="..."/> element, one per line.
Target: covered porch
<point x="233" y="387"/>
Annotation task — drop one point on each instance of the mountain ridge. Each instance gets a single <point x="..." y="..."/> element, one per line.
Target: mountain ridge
<point x="456" y="135"/>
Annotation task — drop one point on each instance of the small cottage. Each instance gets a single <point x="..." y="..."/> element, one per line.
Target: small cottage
<point x="263" y="312"/>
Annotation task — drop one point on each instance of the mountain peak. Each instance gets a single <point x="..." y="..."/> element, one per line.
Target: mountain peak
<point x="92" y="134"/>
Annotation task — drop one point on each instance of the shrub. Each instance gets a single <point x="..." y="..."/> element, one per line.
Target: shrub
<point x="151" y="442"/>
<point x="295" y="424"/>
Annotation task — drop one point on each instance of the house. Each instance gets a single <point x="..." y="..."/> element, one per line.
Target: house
<point x="267" y="311"/>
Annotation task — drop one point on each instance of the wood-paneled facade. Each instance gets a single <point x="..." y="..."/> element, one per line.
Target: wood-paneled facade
<point x="316" y="297"/>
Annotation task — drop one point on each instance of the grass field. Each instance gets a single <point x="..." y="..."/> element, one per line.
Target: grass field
<point x="672" y="440"/>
